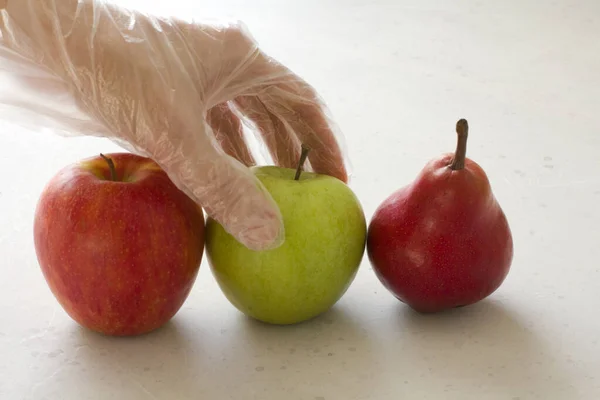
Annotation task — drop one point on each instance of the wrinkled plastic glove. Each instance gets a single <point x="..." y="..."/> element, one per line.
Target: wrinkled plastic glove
<point x="170" y="89"/>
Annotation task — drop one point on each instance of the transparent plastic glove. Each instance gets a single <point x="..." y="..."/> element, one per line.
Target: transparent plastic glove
<point x="170" y="89"/>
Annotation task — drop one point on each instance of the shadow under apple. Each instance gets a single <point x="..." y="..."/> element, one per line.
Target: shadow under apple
<point x="334" y="340"/>
<point x="192" y="357"/>
<point x="486" y="348"/>
<point x="159" y="364"/>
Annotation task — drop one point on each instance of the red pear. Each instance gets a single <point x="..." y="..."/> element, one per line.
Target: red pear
<point x="442" y="241"/>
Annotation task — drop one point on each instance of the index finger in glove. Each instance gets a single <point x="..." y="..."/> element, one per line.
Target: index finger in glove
<point x="229" y="133"/>
<point x="297" y="105"/>
<point x="293" y="104"/>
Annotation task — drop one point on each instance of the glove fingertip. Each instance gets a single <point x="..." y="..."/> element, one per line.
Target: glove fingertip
<point x="247" y="211"/>
<point x="268" y="234"/>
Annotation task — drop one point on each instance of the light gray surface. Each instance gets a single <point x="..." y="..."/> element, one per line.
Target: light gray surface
<point x="397" y="75"/>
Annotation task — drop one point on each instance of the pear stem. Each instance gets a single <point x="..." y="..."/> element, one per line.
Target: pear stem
<point x="111" y="166"/>
<point x="462" y="130"/>
<point x="303" y="156"/>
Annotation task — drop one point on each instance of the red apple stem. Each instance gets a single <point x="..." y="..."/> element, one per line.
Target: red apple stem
<point x="111" y="166"/>
<point x="303" y="156"/>
<point x="462" y="130"/>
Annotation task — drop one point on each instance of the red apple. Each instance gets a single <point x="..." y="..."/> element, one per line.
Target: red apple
<point x="118" y="243"/>
<point x="442" y="241"/>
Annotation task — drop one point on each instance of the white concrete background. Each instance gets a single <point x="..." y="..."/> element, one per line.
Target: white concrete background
<point x="397" y="75"/>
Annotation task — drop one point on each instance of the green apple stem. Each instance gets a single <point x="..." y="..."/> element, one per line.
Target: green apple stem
<point x="462" y="129"/>
<point x="111" y="166"/>
<point x="303" y="155"/>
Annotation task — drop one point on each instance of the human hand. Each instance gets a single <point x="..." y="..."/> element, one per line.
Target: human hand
<point x="174" y="90"/>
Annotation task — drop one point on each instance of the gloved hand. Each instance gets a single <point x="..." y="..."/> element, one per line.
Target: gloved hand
<point x="168" y="88"/>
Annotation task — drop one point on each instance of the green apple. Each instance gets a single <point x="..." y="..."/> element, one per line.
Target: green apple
<point x="325" y="237"/>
